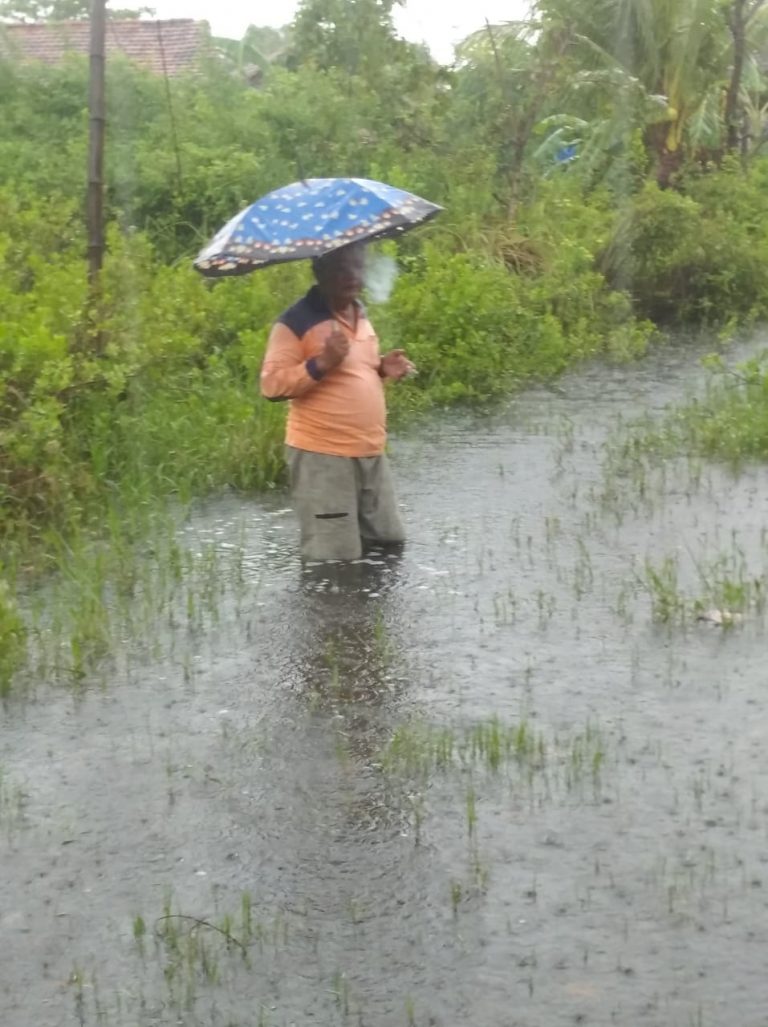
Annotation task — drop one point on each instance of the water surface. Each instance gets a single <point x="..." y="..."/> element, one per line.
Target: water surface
<point x="616" y="875"/>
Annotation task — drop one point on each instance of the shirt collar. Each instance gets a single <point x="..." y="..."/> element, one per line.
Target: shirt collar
<point x="318" y="302"/>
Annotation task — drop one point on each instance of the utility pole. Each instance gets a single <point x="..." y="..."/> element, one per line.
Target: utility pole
<point x="97" y="112"/>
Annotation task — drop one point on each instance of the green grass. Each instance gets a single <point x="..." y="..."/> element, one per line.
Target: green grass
<point x="419" y="750"/>
<point x="13" y="638"/>
<point x="728" y="422"/>
<point x="723" y="586"/>
<point x="137" y="582"/>
<point x="12" y="798"/>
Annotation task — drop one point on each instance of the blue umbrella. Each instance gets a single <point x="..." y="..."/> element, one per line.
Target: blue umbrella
<point x="309" y="219"/>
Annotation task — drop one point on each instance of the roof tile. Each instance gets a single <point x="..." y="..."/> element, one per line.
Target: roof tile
<point x="173" y="46"/>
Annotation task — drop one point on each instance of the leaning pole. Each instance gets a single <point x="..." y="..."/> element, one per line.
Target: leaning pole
<point x="97" y="122"/>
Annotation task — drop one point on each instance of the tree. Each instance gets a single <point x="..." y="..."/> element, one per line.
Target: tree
<point x="508" y="76"/>
<point x="741" y="16"/>
<point x="57" y="10"/>
<point x="357" y="39"/>
<point x="676" y="49"/>
<point x="344" y="34"/>
<point x="259" y="49"/>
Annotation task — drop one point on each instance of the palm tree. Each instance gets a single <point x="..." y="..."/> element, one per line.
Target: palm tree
<point x="695" y="53"/>
<point x="676" y="49"/>
<point x="593" y="72"/>
<point x="253" y="55"/>
<point x="508" y="76"/>
<point x="743" y="18"/>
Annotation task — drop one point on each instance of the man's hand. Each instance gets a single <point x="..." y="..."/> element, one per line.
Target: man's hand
<point x="396" y="365"/>
<point x="334" y="351"/>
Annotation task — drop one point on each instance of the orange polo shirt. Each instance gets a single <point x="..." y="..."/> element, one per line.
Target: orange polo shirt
<point x="341" y="413"/>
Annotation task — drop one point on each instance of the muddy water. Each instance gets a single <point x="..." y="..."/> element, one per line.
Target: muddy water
<point x="237" y="773"/>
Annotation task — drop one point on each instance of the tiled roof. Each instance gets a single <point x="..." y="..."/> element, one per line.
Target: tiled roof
<point x="173" y="46"/>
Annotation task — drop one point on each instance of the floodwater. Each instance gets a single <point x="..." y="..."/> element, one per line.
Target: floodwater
<point x="242" y="772"/>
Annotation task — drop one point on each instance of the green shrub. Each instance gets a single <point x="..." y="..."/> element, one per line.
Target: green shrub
<point x="476" y="329"/>
<point x="160" y="393"/>
<point x="687" y="258"/>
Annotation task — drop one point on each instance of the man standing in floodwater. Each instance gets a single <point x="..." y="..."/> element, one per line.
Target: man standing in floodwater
<point x="323" y="356"/>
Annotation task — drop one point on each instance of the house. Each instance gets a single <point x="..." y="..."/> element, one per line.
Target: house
<point x="164" y="47"/>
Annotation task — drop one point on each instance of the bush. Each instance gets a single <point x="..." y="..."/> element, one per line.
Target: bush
<point x="476" y="329"/>
<point x="158" y="394"/>
<point x="695" y="257"/>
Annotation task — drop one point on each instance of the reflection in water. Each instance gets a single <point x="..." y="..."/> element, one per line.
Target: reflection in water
<point x="346" y="648"/>
<point x="348" y="670"/>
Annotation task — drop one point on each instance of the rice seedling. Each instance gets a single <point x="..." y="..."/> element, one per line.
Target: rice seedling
<point x="586" y="757"/>
<point x="417" y="750"/>
<point x="546" y="605"/>
<point x="552" y="530"/>
<point x="139" y="933"/>
<point x="668" y="605"/>
<point x="13" y="637"/>
<point x="76" y="981"/>
<point x="333" y="662"/>
<point x="129" y="585"/>
<point x="505" y="609"/>
<point x="12" y="799"/>
<point x="471" y="811"/>
<point x="583" y="573"/>
<point x="527" y="761"/>
<point x="457" y="894"/>
<point x="410" y="1012"/>
<point x="724" y="592"/>
<point x="246" y="909"/>
<point x="196" y="951"/>
<point x="341" y="992"/>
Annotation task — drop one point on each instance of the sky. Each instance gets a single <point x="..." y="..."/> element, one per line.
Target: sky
<point x="439" y="23"/>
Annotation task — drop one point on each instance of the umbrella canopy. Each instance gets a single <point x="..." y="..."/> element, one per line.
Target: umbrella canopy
<point x="310" y="219"/>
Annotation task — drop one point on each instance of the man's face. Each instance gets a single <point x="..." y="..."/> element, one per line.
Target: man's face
<point x="341" y="275"/>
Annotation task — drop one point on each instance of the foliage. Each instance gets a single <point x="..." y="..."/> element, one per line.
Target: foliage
<point x="698" y="255"/>
<point x="476" y="329"/>
<point x="58" y="10"/>
<point x="729" y="423"/>
<point x="355" y="36"/>
<point x="12" y="638"/>
<point x="545" y="143"/>
<point x="254" y="54"/>
<point x="165" y="405"/>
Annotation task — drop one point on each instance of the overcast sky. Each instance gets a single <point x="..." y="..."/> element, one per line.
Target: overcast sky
<point x="439" y="23"/>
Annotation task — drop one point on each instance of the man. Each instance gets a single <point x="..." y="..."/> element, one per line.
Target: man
<point x="323" y="356"/>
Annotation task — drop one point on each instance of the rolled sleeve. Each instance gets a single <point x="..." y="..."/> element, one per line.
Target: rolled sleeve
<point x="284" y="373"/>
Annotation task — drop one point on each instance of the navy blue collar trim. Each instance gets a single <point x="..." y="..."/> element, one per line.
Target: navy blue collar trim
<point x="319" y="304"/>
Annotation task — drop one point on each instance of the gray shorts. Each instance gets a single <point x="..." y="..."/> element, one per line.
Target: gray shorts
<point x="343" y="503"/>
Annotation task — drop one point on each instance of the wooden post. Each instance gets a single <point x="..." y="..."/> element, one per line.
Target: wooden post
<point x="97" y="110"/>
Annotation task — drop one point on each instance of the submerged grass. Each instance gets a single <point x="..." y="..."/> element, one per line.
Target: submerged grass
<point x="418" y="750"/>
<point x="723" y="590"/>
<point x="136" y="585"/>
<point x="12" y="799"/>
<point x="729" y="422"/>
<point x="470" y="761"/>
<point x="196" y="952"/>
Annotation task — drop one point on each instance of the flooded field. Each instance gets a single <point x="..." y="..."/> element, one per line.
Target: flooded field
<point x="506" y="778"/>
